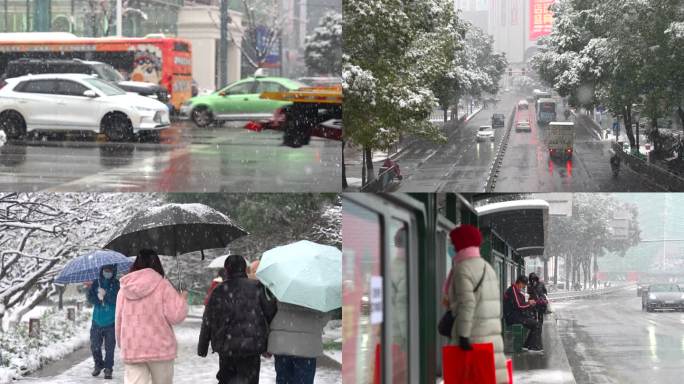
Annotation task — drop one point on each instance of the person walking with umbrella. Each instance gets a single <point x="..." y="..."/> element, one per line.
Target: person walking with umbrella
<point x="102" y="294"/>
<point x="147" y="308"/>
<point x="306" y="278"/>
<point x="236" y="324"/>
<point x="296" y="339"/>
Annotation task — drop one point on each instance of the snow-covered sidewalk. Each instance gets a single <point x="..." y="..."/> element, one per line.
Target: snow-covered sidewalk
<point x="189" y="368"/>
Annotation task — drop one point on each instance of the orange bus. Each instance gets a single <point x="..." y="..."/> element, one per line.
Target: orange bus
<point x="153" y="59"/>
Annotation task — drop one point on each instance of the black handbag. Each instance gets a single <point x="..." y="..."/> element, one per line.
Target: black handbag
<point x="446" y="323"/>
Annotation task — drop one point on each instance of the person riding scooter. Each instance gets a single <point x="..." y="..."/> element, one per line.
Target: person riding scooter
<point x="391" y="164"/>
<point x="614" y="162"/>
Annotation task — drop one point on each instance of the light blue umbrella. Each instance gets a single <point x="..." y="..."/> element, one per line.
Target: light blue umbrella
<point x="304" y="273"/>
<point x="87" y="267"/>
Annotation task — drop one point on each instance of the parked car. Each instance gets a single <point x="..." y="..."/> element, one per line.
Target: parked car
<point x="23" y="67"/>
<point x="662" y="296"/>
<point x="485" y="132"/>
<point x="74" y="102"/>
<point x="498" y="120"/>
<point x="523" y="125"/>
<point x="239" y="101"/>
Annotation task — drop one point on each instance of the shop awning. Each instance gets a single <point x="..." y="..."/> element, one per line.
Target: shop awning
<point x="521" y="223"/>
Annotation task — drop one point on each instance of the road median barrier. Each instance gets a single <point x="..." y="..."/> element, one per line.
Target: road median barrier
<point x="490" y="184"/>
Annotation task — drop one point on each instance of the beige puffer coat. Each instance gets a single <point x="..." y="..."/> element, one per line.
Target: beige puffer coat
<point x="478" y="315"/>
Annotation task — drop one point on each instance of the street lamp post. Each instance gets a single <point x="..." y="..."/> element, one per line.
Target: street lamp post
<point x="223" y="44"/>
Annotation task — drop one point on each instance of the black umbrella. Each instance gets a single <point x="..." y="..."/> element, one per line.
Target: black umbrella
<point x="175" y="229"/>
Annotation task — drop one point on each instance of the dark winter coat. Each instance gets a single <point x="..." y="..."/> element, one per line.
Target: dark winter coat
<point x="236" y="319"/>
<point x="537" y="292"/>
<point x="104" y="311"/>
<point x="514" y="305"/>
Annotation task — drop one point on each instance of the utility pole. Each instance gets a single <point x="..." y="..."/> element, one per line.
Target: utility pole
<point x="223" y="45"/>
<point x="119" y="18"/>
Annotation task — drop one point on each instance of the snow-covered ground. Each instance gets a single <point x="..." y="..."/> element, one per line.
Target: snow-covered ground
<point x="189" y="367"/>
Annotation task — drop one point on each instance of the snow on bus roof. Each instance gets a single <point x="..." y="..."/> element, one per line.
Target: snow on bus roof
<point x="512" y="206"/>
<point x="37" y="36"/>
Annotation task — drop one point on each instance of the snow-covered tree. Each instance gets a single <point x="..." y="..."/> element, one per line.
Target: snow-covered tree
<point x="262" y="26"/>
<point x="616" y="53"/>
<point x="101" y="15"/>
<point x="395" y="50"/>
<point x="588" y="234"/>
<point x="323" y="50"/>
<point x="40" y="232"/>
<point x="478" y="69"/>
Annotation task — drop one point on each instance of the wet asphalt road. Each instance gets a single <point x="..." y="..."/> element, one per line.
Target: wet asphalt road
<point x="464" y="165"/>
<point x="185" y="158"/>
<point x="526" y="166"/>
<point x="610" y="340"/>
<point x="460" y="165"/>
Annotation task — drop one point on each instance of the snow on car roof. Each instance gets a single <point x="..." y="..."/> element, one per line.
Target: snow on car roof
<point x="53" y="76"/>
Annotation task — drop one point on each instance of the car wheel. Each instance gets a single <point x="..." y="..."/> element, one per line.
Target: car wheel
<point x="202" y="117"/>
<point x="13" y="124"/>
<point x="117" y="127"/>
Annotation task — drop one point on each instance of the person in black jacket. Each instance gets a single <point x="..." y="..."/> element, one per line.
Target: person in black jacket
<point x="236" y="323"/>
<point x="536" y="290"/>
<point x="517" y="310"/>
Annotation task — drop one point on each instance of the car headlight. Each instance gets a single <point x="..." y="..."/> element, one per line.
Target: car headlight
<point x="143" y="109"/>
<point x="652" y="296"/>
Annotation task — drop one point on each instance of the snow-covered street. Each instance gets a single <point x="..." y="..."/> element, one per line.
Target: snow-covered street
<point x="189" y="368"/>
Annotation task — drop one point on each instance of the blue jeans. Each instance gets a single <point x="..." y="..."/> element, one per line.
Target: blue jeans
<point x="98" y="335"/>
<point x="294" y="370"/>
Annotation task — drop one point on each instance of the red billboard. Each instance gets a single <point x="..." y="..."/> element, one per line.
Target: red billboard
<point x="541" y="18"/>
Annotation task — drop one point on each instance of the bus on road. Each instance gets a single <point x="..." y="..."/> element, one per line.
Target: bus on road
<point x="546" y="111"/>
<point x="153" y="59"/>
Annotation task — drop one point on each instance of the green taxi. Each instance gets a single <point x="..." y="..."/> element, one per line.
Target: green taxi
<point x="239" y="101"/>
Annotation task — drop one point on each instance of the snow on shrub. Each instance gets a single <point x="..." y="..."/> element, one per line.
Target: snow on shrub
<point x="21" y="354"/>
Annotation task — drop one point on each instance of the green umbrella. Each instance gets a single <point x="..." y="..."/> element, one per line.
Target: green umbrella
<point x="304" y="273"/>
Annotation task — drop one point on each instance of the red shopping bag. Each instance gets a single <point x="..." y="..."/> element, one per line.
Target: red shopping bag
<point x="509" y="368"/>
<point x="377" y="372"/>
<point x="468" y="367"/>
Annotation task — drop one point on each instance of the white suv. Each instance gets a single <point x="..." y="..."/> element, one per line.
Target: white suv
<point x="76" y="102"/>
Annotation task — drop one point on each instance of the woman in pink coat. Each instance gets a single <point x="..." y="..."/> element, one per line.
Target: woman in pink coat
<point x="147" y="307"/>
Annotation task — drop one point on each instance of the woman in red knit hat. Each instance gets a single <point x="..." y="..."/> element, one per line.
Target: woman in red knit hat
<point x="472" y="291"/>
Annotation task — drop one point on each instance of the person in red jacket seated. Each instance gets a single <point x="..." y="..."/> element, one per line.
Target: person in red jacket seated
<point x="214" y="283"/>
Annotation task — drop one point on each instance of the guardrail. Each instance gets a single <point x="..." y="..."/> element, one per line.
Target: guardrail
<point x="562" y="296"/>
<point x="659" y="176"/>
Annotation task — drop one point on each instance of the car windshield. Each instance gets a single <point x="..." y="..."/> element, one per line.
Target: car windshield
<point x="105" y="87"/>
<point x="483" y="129"/>
<point x="107" y="72"/>
<point x="664" y="288"/>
